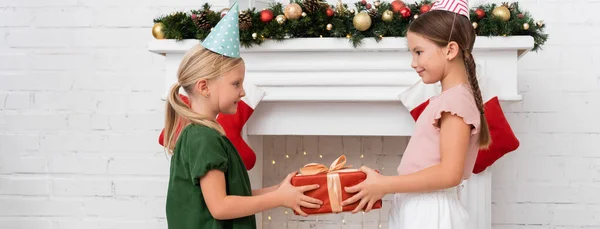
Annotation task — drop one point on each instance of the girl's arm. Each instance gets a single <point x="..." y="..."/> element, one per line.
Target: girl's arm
<point x="454" y="143"/>
<point x="223" y="206"/>
<point x="261" y="191"/>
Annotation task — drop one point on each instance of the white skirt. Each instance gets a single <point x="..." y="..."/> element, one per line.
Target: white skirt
<point x="434" y="210"/>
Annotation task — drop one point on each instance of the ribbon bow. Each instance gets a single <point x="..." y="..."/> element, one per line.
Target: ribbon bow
<point x="339" y="165"/>
<point x="334" y="185"/>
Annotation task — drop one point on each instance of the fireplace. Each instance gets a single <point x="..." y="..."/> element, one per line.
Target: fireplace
<point x="323" y="90"/>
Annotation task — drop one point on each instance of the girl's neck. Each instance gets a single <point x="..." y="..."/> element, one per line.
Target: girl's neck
<point x="455" y="77"/>
<point x="201" y="108"/>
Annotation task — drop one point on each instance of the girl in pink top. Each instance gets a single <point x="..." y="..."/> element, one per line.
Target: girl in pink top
<point x="448" y="134"/>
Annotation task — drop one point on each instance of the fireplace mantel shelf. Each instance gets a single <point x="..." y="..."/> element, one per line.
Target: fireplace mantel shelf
<point x="332" y="70"/>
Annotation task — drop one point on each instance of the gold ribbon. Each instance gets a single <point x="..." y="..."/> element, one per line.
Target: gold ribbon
<point x="334" y="185"/>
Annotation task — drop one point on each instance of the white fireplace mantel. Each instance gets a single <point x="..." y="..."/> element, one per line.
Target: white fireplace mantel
<point x="324" y="86"/>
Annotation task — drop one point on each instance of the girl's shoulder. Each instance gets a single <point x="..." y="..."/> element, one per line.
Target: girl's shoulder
<point x="459" y="101"/>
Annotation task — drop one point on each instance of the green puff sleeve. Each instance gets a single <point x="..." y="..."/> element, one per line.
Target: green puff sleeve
<point x="205" y="151"/>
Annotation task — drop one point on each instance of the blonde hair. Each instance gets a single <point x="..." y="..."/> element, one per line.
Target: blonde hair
<point x="198" y="63"/>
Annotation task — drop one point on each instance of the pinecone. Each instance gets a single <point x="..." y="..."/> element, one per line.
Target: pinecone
<point x="245" y="20"/>
<point x="312" y="5"/>
<point x="373" y="13"/>
<point x="201" y="21"/>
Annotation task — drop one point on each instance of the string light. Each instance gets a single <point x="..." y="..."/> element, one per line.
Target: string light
<point x="287" y="156"/>
<point x="269" y="217"/>
<point x="273" y="162"/>
<point x="304" y="153"/>
<point x="362" y="156"/>
<point x="320" y="156"/>
<point x="286" y="212"/>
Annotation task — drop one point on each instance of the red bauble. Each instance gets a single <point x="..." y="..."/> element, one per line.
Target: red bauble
<point x="329" y="12"/>
<point x="425" y="8"/>
<point x="405" y="12"/>
<point x="368" y="6"/>
<point x="266" y="16"/>
<point x="480" y="13"/>
<point x="363" y="2"/>
<point x="397" y="6"/>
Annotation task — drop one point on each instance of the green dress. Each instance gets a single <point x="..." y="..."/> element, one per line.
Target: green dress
<point x="200" y="149"/>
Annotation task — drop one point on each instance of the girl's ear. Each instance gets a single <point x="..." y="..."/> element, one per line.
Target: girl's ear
<point x="452" y="50"/>
<point x="201" y="86"/>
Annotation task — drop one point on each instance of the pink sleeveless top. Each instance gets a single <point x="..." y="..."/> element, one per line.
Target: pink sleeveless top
<point x="423" y="149"/>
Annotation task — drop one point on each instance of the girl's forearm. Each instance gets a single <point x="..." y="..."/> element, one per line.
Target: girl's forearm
<point x="430" y="179"/>
<point x="261" y="191"/>
<point x="240" y="206"/>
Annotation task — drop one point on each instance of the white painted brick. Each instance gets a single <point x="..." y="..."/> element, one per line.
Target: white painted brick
<point x="100" y="122"/>
<point x="36" y="81"/>
<point x="521" y="213"/>
<point x="103" y="223"/>
<point x="73" y="141"/>
<point x="579" y="215"/>
<point x="544" y="192"/>
<point x="60" y="61"/>
<point x="101" y="81"/>
<point x="42" y="3"/>
<point x="541" y="168"/>
<point x="563" y="144"/>
<point x="33" y="206"/>
<point x="20" y="122"/>
<point x="124" y="16"/>
<point x="141" y="187"/>
<point x="62" y="17"/>
<point x="578" y="122"/>
<point x="134" y="141"/>
<point x="70" y="163"/>
<point x="81" y="187"/>
<point x="24" y="223"/>
<point x="139" y="166"/>
<point x="10" y="17"/>
<point x="133" y="61"/>
<point x="43" y="37"/>
<point x="15" y="163"/>
<point x="125" y="102"/>
<point x="3" y="98"/>
<point x="12" y="143"/>
<point x="11" y="60"/>
<point x="24" y="186"/>
<point x="112" y="37"/>
<point x="138" y="121"/>
<point x="65" y="101"/>
<point x="583" y="169"/>
<point x="18" y="101"/>
<point x="131" y="208"/>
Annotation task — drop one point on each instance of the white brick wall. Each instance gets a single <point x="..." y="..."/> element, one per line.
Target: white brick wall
<point x="80" y="112"/>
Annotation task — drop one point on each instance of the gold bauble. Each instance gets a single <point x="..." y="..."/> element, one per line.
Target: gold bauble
<point x="329" y="26"/>
<point x="540" y="23"/>
<point x="280" y="19"/>
<point x="254" y="36"/>
<point x="362" y="21"/>
<point x="292" y="11"/>
<point x="387" y="16"/>
<point x="475" y="25"/>
<point x="157" y="31"/>
<point x="502" y="13"/>
<point x="526" y="26"/>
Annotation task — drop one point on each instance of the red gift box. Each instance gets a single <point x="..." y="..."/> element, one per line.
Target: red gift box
<point x="331" y="183"/>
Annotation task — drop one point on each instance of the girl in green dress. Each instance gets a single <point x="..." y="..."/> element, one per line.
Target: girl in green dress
<point x="209" y="185"/>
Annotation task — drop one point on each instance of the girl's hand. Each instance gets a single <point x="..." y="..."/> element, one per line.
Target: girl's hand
<point x="369" y="191"/>
<point x="293" y="197"/>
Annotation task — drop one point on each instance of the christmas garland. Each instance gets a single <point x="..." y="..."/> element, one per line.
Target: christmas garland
<point x="311" y="18"/>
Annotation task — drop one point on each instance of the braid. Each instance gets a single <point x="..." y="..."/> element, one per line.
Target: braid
<point x="484" y="134"/>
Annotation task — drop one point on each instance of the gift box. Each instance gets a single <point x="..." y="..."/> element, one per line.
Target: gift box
<point x="331" y="183"/>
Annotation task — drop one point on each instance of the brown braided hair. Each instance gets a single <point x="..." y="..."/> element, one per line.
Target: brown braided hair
<point x="443" y="27"/>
